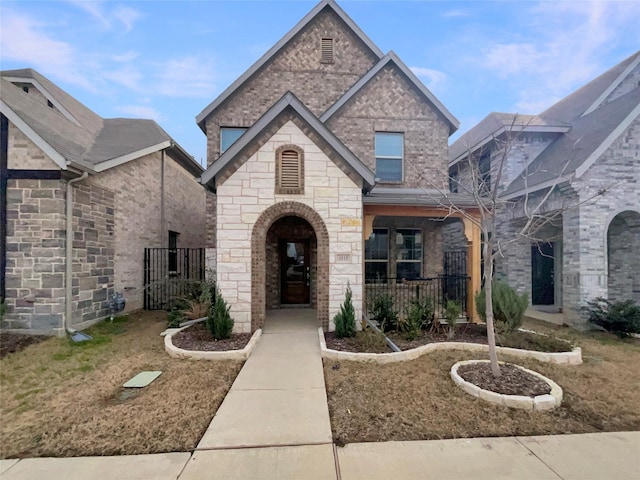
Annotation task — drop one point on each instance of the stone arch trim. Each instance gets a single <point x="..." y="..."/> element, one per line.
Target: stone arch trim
<point x="258" y="259"/>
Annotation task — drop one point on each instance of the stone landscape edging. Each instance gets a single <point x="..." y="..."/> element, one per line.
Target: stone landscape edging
<point x="574" y="357"/>
<point x="177" y="352"/>
<point x="538" y="403"/>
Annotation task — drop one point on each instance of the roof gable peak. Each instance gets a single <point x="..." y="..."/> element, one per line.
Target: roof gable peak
<point x="271" y="53"/>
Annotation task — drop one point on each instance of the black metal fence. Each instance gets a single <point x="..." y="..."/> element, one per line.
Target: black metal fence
<point x="169" y="273"/>
<point x="455" y="263"/>
<point x="403" y="292"/>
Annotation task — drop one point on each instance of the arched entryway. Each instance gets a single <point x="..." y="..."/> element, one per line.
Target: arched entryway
<point x="287" y="239"/>
<point x="623" y="245"/>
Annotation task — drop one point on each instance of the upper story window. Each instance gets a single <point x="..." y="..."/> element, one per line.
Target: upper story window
<point x="389" y="156"/>
<point x="327" y="50"/>
<point x="289" y="170"/>
<point x="484" y="173"/>
<point x="228" y="136"/>
<point x="453" y="181"/>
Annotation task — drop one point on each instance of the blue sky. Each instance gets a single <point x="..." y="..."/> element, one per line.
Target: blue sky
<point x="167" y="60"/>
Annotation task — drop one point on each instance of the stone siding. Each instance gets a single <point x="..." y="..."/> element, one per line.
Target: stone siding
<point x="93" y="253"/>
<point x="250" y="191"/>
<point x="35" y="290"/>
<point x="388" y="103"/>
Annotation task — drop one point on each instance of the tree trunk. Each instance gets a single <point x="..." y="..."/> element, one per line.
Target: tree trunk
<point x="488" y="284"/>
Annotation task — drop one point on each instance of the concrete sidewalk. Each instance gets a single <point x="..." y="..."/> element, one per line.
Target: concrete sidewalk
<point x="593" y="456"/>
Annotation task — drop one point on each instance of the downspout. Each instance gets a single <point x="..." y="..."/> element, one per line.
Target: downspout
<point x="162" y="229"/>
<point x="69" y="255"/>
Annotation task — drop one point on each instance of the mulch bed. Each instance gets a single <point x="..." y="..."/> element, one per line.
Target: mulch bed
<point x="471" y="333"/>
<point x="512" y="380"/>
<point x="198" y="338"/>
<point x="14" y="342"/>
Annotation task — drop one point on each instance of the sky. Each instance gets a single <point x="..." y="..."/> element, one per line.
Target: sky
<point x="167" y="60"/>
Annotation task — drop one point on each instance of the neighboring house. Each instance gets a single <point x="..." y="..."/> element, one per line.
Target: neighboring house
<point x="586" y="148"/>
<point x="327" y="164"/>
<point x="130" y="185"/>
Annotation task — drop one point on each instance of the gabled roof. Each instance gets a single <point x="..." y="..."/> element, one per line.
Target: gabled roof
<point x="288" y="102"/>
<point x="589" y="97"/>
<point x="494" y="125"/>
<point x="392" y="58"/>
<point x="71" y="134"/>
<point x="574" y="152"/>
<point x="262" y="61"/>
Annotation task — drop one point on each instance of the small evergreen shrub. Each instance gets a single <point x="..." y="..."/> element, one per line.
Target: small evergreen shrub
<point x="175" y="318"/>
<point x="418" y="316"/>
<point x="345" y="319"/>
<point x="452" y="313"/>
<point x="508" y="306"/>
<point x="219" y="321"/>
<point x="622" y="318"/>
<point x="384" y="313"/>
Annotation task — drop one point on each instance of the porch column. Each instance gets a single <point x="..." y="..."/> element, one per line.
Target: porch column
<point x="472" y="232"/>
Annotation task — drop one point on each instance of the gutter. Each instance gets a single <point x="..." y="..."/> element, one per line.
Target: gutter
<point x="69" y="255"/>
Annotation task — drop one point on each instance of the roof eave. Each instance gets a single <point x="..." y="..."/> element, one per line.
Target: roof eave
<point x="114" y="162"/>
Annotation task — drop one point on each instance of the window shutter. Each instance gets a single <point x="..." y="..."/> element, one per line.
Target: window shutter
<point x="327" y="50"/>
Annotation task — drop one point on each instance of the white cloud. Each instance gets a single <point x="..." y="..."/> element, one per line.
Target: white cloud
<point x="127" y="16"/>
<point x="184" y="77"/>
<point x="456" y="13"/>
<point x="127" y="76"/>
<point x="126" y="57"/>
<point x="38" y="50"/>
<point x="141" y="111"/>
<point x="559" y="48"/>
<point x="434" y="79"/>
<point x="107" y="16"/>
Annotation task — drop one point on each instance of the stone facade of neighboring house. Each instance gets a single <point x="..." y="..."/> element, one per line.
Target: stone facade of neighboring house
<point x="326" y="164"/>
<point x="138" y="185"/>
<point x="579" y="159"/>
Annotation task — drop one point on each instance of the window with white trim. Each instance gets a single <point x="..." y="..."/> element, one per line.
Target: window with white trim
<point x="389" y="156"/>
<point x="289" y="170"/>
<point x="376" y="256"/>
<point x="228" y="136"/>
<point x="408" y="253"/>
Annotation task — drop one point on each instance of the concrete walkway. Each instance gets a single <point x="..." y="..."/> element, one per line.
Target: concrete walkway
<point x="274" y="424"/>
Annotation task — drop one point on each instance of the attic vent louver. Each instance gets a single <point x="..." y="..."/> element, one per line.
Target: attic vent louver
<point x="289" y="170"/>
<point x="327" y="50"/>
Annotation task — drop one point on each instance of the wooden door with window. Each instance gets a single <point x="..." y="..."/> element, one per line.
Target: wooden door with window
<point x="295" y="272"/>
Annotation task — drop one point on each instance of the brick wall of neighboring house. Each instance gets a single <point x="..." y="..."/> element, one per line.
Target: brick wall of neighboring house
<point x="23" y="154"/>
<point x="296" y="68"/>
<point x="137" y="189"/>
<point x="93" y="252"/>
<point x="329" y="197"/>
<point x="35" y="290"/>
<point x="389" y="104"/>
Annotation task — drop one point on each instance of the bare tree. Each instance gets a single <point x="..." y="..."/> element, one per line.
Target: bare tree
<point x="484" y="185"/>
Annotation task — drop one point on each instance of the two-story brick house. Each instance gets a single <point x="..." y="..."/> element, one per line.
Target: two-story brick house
<point x="81" y="197"/>
<point x="582" y="157"/>
<point x="317" y="160"/>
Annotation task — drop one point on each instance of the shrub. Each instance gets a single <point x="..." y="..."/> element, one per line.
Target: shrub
<point x="452" y="313"/>
<point x="384" y="313"/>
<point x="372" y="341"/>
<point x="219" y="322"/>
<point x="622" y="318"/>
<point x="418" y="315"/>
<point x="508" y="306"/>
<point x="345" y="319"/>
<point x="175" y="318"/>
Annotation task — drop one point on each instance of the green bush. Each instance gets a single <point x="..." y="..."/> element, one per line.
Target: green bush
<point x="418" y="315"/>
<point x="508" y="306"/>
<point x="345" y="319"/>
<point x="372" y="341"/>
<point x="452" y="313"/>
<point x="219" y="322"/>
<point x="622" y="318"/>
<point x="175" y="318"/>
<point x="384" y="313"/>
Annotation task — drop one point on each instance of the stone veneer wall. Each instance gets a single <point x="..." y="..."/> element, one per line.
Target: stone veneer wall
<point x="35" y="255"/>
<point x="250" y="191"/>
<point x="93" y="252"/>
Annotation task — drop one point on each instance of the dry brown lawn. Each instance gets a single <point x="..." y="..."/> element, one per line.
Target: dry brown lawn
<point x="417" y="400"/>
<point x="63" y="399"/>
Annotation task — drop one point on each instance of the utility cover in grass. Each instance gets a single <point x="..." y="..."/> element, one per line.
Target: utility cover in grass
<point x="142" y="379"/>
